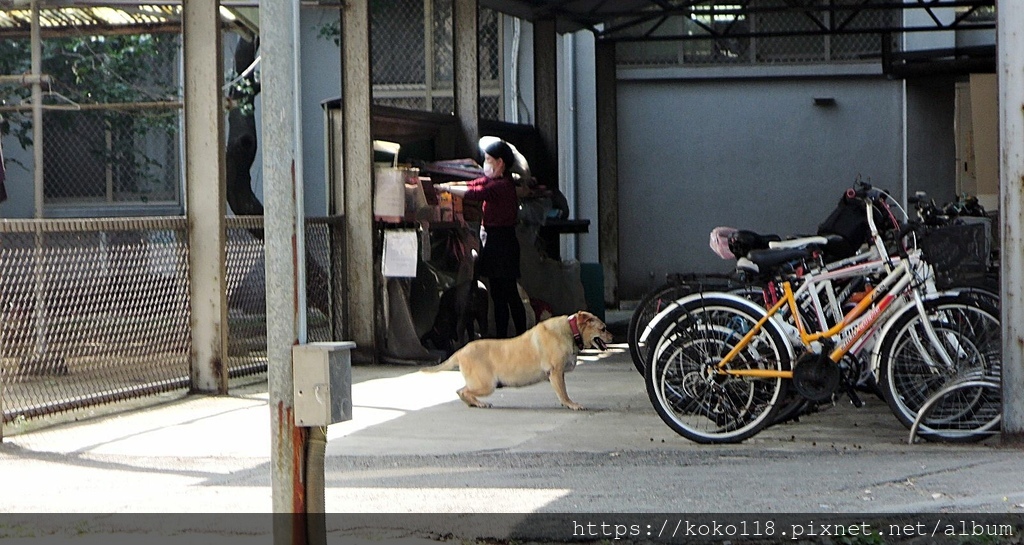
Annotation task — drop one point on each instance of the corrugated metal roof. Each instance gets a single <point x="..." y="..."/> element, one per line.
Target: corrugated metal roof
<point x="91" y="16"/>
<point x="107" y="16"/>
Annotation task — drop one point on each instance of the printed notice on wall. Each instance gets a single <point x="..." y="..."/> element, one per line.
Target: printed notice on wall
<point x="401" y="253"/>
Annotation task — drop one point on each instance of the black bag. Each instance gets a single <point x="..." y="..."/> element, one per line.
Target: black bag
<point x="743" y="242"/>
<point x="849" y="222"/>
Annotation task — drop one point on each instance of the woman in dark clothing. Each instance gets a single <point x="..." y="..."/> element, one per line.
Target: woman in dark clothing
<point x="499" y="258"/>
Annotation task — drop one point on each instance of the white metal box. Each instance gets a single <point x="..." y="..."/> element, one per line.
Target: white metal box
<point x="322" y="380"/>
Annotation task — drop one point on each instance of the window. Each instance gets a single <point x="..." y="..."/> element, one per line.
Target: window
<point x="413" y="59"/>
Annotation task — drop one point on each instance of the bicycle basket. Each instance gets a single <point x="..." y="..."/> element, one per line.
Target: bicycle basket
<point x="957" y="253"/>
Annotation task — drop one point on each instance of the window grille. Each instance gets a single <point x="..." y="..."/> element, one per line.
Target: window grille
<point x="111" y="119"/>
<point x="110" y="156"/>
<point x="413" y="57"/>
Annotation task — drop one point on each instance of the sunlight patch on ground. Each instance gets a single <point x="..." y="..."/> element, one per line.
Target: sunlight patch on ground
<point x="380" y="400"/>
<point x="442" y="500"/>
<point x="598" y="355"/>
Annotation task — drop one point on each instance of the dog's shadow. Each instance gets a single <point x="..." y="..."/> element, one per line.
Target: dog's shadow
<point x="553" y="408"/>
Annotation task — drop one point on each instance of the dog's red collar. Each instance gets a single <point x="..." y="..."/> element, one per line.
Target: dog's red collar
<point x="576" y="335"/>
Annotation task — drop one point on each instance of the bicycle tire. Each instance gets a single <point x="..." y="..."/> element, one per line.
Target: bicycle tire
<point x="986" y="425"/>
<point x="698" y="404"/>
<point x="981" y="294"/>
<point x="909" y="376"/>
<point x="658" y="299"/>
<point x="649" y="306"/>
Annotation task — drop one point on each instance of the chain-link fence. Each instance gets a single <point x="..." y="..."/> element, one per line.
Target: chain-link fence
<point x="111" y="119"/>
<point x="732" y="37"/>
<point x="413" y="57"/>
<point x="95" y="311"/>
<point x="116" y="154"/>
<point x="246" y="287"/>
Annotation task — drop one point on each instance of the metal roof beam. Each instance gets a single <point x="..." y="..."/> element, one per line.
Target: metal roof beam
<point x="829" y="18"/>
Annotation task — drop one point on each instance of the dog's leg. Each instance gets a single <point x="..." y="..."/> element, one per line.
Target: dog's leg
<point x="478" y="383"/>
<point x="557" y="379"/>
<point x="469" y="397"/>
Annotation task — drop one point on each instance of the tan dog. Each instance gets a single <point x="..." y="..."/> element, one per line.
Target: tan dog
<point x="545" y="352"/>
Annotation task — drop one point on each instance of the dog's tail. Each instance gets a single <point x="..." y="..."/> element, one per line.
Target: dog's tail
<point x="448" y="365"/>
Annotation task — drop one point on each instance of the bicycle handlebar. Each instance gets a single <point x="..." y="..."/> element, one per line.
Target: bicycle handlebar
<point x="864" y="190"/>
<point x="907" y="228"/>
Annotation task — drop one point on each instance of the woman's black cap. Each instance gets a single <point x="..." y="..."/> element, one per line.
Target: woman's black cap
<point x="501" y="150"/>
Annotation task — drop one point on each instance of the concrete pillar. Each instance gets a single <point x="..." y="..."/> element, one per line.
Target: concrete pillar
<point x="545" y="98"/>
<point x="467" y="75"/>
<point x="607" y="169"/>
<point x="1010" y="73"/>
<point x="205" y="202"/>
<point x="284" y="251"/>
<point x="357" y="165"/>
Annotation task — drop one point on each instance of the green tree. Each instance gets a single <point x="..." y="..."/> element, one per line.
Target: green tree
<point x="100" y="70"/>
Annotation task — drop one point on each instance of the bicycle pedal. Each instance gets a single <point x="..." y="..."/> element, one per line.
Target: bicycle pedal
<point x="854" y="397"/>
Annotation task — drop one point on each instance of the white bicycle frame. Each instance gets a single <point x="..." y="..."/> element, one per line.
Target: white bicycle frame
<point x="894" y="289"/>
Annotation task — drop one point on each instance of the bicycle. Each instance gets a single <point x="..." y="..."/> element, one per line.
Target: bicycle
<point x="676" y="286"/>
<point x="721" y="367"/>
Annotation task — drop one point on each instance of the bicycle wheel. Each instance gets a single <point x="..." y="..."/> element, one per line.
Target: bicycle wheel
<point x="689" y="395"/>
<point x="975" y="403"/>
<point x="911" y="368"/>
<point x="657" y="300"/>
<point x="983" y="295"/>
<point x="652" y="303"/>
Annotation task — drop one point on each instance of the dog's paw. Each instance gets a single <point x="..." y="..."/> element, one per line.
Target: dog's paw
<point x="575" y="406"/>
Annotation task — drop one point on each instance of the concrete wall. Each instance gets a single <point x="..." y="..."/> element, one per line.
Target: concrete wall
<point x="20" y="201"/>
<point x="320" y="74"/>
<point x="321" y="80"/>
<point x="931" y="137"/>
<point x="749" y="153"/>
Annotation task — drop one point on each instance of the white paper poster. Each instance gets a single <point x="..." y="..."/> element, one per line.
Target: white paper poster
<point x="389" y="193"/>
<point x="401" y="253"/>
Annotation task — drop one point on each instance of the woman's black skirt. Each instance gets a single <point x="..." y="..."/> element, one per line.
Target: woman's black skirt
<point x="499" y="257"/>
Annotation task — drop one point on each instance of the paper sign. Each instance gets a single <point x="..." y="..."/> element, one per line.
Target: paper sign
<point x="401" y="253"/>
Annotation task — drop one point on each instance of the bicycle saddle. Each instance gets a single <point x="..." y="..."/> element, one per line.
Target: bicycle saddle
<point x="801" y="242"/>
<point x="767" y="259"/>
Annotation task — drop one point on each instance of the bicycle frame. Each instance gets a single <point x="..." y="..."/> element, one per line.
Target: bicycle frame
<point x="856" y="323"/>
<point x="884" y="294"/>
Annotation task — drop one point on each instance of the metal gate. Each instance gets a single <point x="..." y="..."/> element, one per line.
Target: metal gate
<point x="96" y="311"/>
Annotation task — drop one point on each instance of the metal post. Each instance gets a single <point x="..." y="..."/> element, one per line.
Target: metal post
<point x="1010" y="45"/>
<point x="205" y="190"/>
<point x="607" y="168"/>
<point x="37" y="108"/>
<point x="37" y="175"/>
<point x="283" y="257"/>
<point x="545" y="97"/>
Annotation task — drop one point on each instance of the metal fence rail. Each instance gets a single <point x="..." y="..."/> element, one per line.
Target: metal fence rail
<point x="96" y="311"/>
